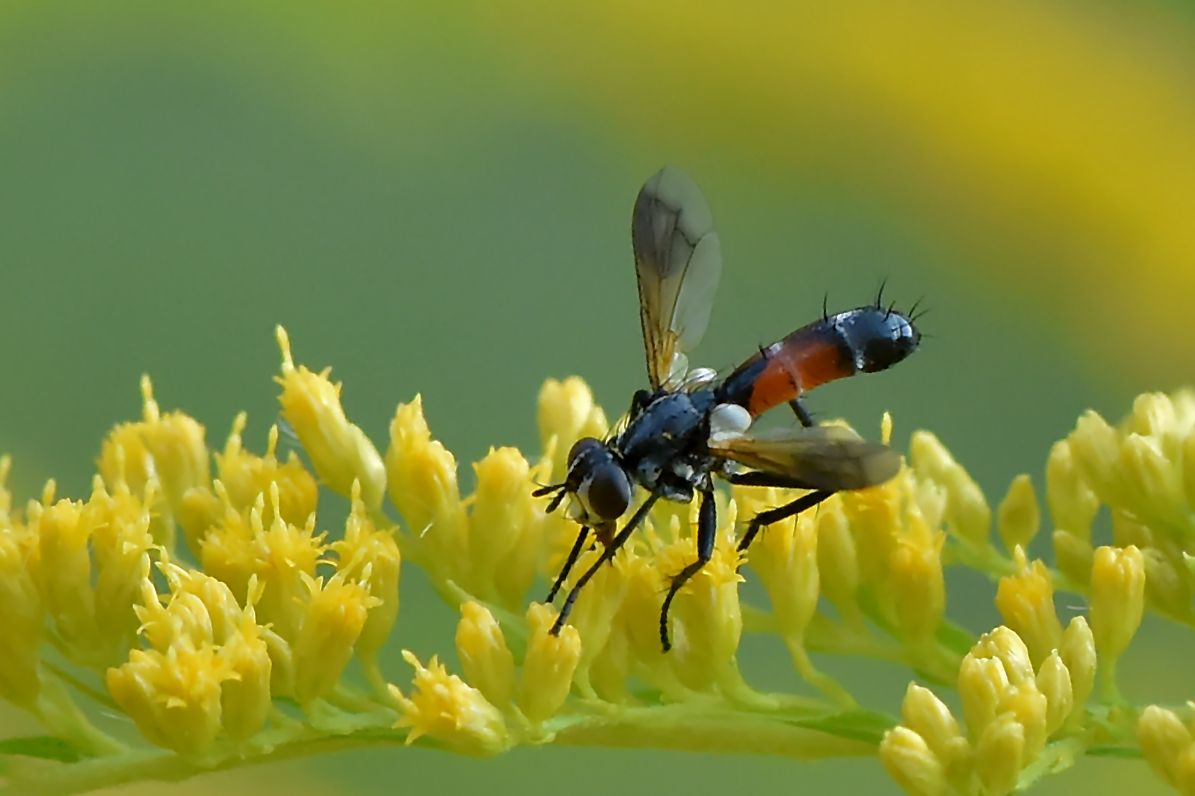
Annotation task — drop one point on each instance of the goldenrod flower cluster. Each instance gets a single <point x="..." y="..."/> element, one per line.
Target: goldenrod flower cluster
<point x="196" y="593"/>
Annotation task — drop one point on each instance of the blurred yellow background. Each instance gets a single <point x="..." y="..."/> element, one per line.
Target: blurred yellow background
<point x="436" y="198"/>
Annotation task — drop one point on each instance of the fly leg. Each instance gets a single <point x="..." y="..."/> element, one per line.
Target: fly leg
<point x="770" y="516"/>
<point x="707" y="534"/>
<point x="802" y="413"/>
<point x="607" y="554"/>
<point x="569" y="562"/>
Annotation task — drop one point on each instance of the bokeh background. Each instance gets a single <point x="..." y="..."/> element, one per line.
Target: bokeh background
<point x="434" y="198"/>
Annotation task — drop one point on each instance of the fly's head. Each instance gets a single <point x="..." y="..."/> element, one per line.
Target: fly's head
<point x="597" y="484"/>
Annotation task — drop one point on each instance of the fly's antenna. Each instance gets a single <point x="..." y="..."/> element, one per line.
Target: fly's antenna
<point x="560" y="491"/>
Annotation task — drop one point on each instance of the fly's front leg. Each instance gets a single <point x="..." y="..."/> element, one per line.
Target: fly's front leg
<point x="569" y="562"/>
<point x="607" y="554"/>
<point x="707" y="535"/>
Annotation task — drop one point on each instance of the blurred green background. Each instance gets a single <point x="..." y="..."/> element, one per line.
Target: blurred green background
<point x="435" y="198"/>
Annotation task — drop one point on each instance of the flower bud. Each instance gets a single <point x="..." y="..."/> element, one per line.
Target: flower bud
<point x="1095" y="446"/>
<point x="549" y="665"/>
<point x="981" y="685"/>
<point x="1162" y="738"/>
<point x="501" y="517"/>
<point x="172" y="697"/>
<point x="246" y="698"/>
<point x="1054" y="681"/>
<point x="422" y="482"/>
<point x="1026" y="602"/>
<point x="786" y="560"/>
<point x="999" y="754"/>
<point x="176" y="443"/>
<point x="911" y="764"/>
<point x="917" y="582"/>
<point x="1188" y="468"/>
<point x="335" y="615"/>
<point x="1078" y="653"/>
<point x="567" y="413"/>
<point x="1019" y="517"/>
<point x="1117" y="598"/>
<point x="1073" y="505"/>
<point x="925" y="714"/>
<point x="707" y="621"/>
<point x="1167" y="586"/>
<point x="1074" y="557"/>
<point x="837" y="561"/>
<point x="1030" y="708"/>
<point x="366" y="549"/>
<point x="482" y="650"/>
<point x="65" y="569"/>
<point x="22" y="614"/>
<point x="245" y="476"/>
<point x="1149" y="475"/>
<point x="339" y="450"/>
<point x="1004" y="644"/>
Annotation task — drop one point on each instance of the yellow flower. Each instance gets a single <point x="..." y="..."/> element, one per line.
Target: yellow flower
<point x="1079" y="656"/>
<point x="482" y="650"/>
<point x="1073" y="505"/>
<point x="1163" y="739"/>
<point x="443" y="706"/>
<point x="333" y="620"/>
<point x="918" y="585"/>
<point x="1117" y="601"/>
<point x="967" y="511"/>
<point x="501" y="520"/>
<point x="1019" y="517"/>
<point x="422" y="483"/>
<point x="566" y="414"/>
<point x="22" y="614"/>
<point x="371" y="556"/>
<point x="169" y="449"/>
<point x="339" y="450"/>
<point x="548" y="667"/>
<point x="911" y="764"/>
<point x="246" y="476"/>
<point x="281" y="556"/>
<point x="1026" y="601"/>
<point x="173" y="696"/>
<point x="1000" y="754"/>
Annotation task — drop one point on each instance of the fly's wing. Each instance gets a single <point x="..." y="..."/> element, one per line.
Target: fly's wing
<point x="822" y="457"/>
<point x="678" y="261"/>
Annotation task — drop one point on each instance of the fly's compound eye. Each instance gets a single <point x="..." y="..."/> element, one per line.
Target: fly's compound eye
<point x="583" y="450"/>
<point x="606" y="492"/>
<point x="598" y="481"/>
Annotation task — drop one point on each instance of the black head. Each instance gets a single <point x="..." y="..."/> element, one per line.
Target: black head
<point x="597" y="482"/>
<point x="879" y="336"/>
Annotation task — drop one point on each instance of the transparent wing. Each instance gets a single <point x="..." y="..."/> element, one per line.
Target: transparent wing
<point x="678" y="260"/>
<point x="822" y="457"/>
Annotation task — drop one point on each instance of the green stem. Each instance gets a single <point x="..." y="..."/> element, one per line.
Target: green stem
<point x="59" y="713"/>
<point x="682" y="727"/>
<point x="161" y="766"/>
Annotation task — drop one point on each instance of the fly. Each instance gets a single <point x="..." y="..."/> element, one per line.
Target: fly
<point x="691" y="427"/>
